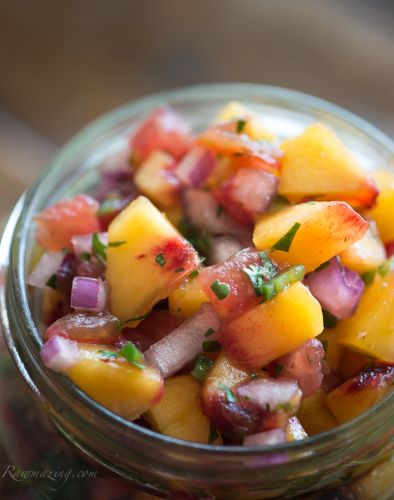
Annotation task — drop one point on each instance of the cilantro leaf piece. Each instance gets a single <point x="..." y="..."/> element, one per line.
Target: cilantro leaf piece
<point x="221" y="290"/>
<point x="322" y="266"/>
<point x="85" y="256"/>
<point x="160" y="259"/>
<point x="211" y="346"/>
<point x="193" y="274"/>
<point x="115" y="244"/>
<point x="209" y="332"/>
<point x="108" y="354"/>
<point x="213" y="434"/>
<point x="202" y="367"/>
<point x="131" y="354"/>
<point x="99" y="249"/>
<point x="240" y="126"/>
<point x="285" y="242"/>
<point x="230" y="396"/>
<point x="278" y="368"/>
<point x="52" y="282"/>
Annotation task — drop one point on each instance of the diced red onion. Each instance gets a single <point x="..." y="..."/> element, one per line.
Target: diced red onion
<point x="88" y="294"/>
<point x="90" y="269"/>
<point x="304" y="365"/>
<point x="337" y="288"/>
<point x="202" y="210"/>
<point x="181" y="346"/>
<point x="270" y="395"/>
<point x="195" y="166"/>
<point x="66" y="272"/>
<point x="222" y="248"/>
<point x="83" y="243"/>
<point x="46" y="267"/>
<point x="101" y="328"/>
<point x="267" y="438"/>
<point x="60" y="354"/>
<point x="116" y="181"/>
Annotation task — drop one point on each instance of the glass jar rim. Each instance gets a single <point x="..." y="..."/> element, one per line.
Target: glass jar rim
<point x="13" y="248"/>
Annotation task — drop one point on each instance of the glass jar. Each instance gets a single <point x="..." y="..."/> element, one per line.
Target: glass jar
<point x="157" y="463"/>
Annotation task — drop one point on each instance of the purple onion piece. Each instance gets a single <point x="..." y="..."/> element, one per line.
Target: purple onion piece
<point x="59" y="353"/>
<point x="88" y="294"/>
<point x="195" y="166"/>
<point x="46" y="267"/>
<point x="267" y="438"/>
<point x="337" y="288"/>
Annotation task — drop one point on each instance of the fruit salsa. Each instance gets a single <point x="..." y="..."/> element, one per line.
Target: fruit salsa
<point x="223" y="286"/>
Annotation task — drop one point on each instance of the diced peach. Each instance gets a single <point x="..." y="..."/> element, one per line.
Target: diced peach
<point x="186" y="300"/>
<point x="332" y="349"/>
<point x="360" y="393"/>
<point x="366" y="254"/>
<point x="273" y="328"/>
<point x="254" y="127"/>
<point x="371" y="329"/>
<point x="179" y="412"/>
<point x="326" y="229"/>
<point x="115" y="383"/>
<point x="151" y="263"/>
<point x="294" y="430"/>
<point x="317" y="164"/>
<point x="155" y="179"/>
<point x="382" y="213"/>
<point x="314" y="414"/>
<point x="352" y="363"/>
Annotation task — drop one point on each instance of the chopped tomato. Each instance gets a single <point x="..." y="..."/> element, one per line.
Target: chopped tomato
<point x="162" y="130"/>
<point x="56" y="225"/>
<point x="238" y="293"/>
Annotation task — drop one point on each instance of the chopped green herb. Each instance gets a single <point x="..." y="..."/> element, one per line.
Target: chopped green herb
<point x="278" y="368"/>
<point x="384" y="268"/>
<point x="52" y="282"/>
<point x="267" y="291"/>
<point x="230" y="396"/>
<point x="198" y="239"/>
<point x="85" y="256"/>
<point x="311" y="202"/>
<point x="221" y="290"/>
<point x="160" y="259"/>
<point x="322" y="266"/>
<point x="108" y="354"/>
<point x="211" y="346"/>
<point x="285" y="242"/>
<point x="287" y="277"/>
<point x="134" y="318"/>
<point x="368" y="277"/>
<point x="219" y="210"/>
<point x="253" y="375"/>
<point x="99" y="249"/>
<point x="284" y="406"/>
<point x="258" y="273"/>
<point x="193" y="274"/>
<point x="202" y="367"/>
<point x="213" y="434"/>
<point x="240" y="126"/>
<point x="329" y="320"/>
<point x="131" y="354"/>
<point x="115" y="244"/>
<point x="209" y="332"/>
<point x="179" y="270"/>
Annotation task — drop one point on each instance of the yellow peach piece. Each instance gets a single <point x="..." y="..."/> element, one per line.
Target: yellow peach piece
<point x="151" y="262"/>
<point x="317" y="164"/>
<point x="273" y="328"/>
<point x="370" y="330"/>
<point x="179" y="413"/>
<point x="186" y="300"/>
<point x="366" y="254"/>
<point x="326" y="229"/>
<point x="153" y="180"/>
<point x="314" y="414"/>
<point x="118" y="385"/>
<point x="360" y="393"/>
<point x="382" y="213"/>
